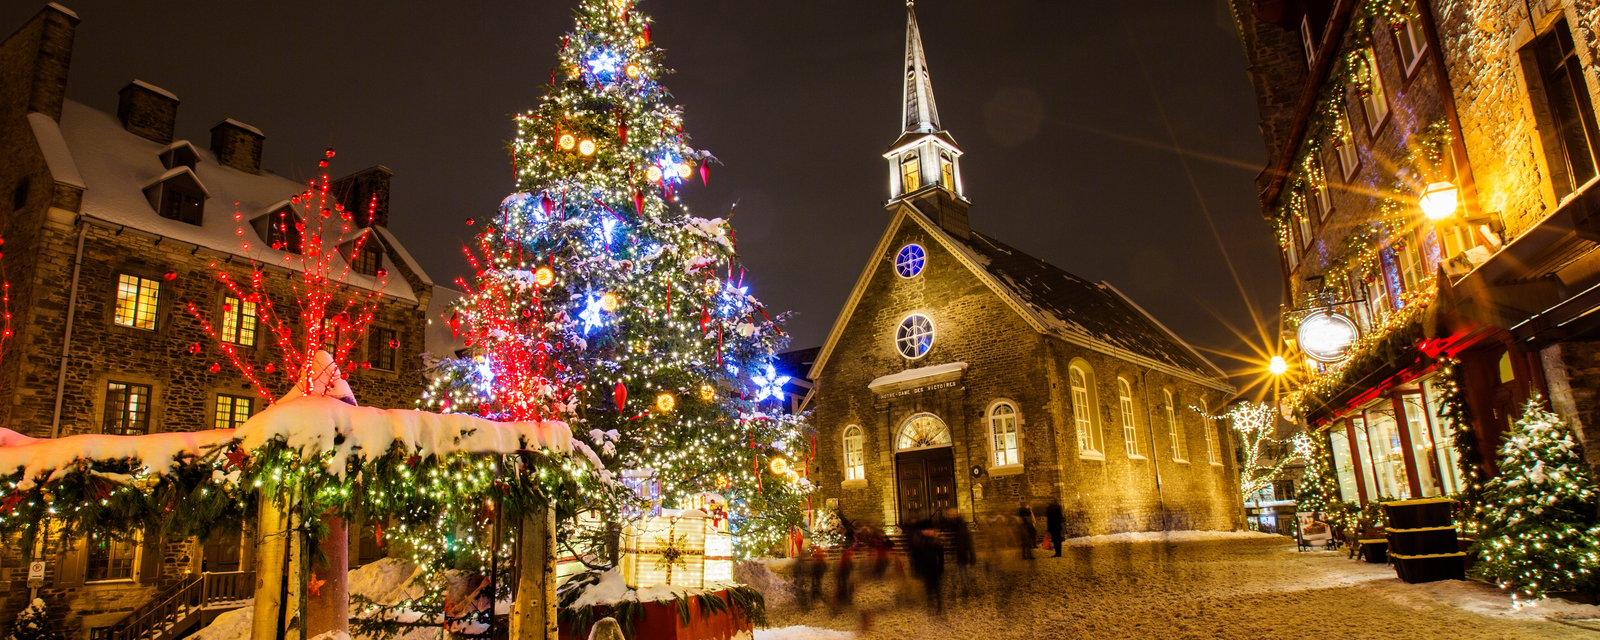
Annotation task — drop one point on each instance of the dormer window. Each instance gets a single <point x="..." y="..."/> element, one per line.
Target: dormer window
<point x="947" y="171"/>
<point x="179" y="154"/>
<point x="283" y="230"/>
<point x="178" y="195"/>
<point x="369" y="260"/>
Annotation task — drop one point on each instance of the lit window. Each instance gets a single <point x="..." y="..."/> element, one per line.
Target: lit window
<point x="915" y="336"/>
<point x="1082" y="412"/>
<point x="1003" y="435"/>
<point x="108" y="558"/>
<point x="855" y="454"/>
<point x="1304" y="224"/>
<point x="1180" y="448"/>
<point x="1213" y="444"/>
<point x="1130" y="432"/>
<point x="1408" y="39"/>
<point x="232" y="411"/>
<point x="922" y="431"/>
<point x="1375" y="102"/>
<point x="910" y="174"/>
<point x="947" y="172"/>
<point x="127" y="409"/>
<point x="137" y="302"/>
<point x="382" y="346"/>
<point x="909" y="262"/>
<point x="238" y="321"/>
<point x="1346" y="145"/>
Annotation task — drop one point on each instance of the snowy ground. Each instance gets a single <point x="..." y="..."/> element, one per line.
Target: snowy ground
<point x="1189" y="586"/>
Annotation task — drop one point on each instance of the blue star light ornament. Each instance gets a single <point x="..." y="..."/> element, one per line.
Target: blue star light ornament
<point x="593" y="316"/>
<point x="769" y="384"/>
<point x="605" y="64"/>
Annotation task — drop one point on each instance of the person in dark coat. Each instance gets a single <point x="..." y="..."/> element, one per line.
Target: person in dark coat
<point x="1027" y="532"/>
<point x="959" y="534"/>
<point x="1055" y="522"/>
<point x="927" y="560"/>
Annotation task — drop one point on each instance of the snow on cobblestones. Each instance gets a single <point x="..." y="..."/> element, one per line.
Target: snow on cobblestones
<point x="1194" y="585"/>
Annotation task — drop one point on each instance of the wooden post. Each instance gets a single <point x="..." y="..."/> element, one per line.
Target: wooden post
<point x="533" y="613"/>
<point x="272" y="550"/>
<point x="328" y="611"/>
<point x="294" y="605"/>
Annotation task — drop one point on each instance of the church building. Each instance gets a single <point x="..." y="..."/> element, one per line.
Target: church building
<point x="965" y="373"/>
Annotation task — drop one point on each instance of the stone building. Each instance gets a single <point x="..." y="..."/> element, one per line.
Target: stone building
<point x="964" y="373"/>
<point x="113" y="226"/>
<point x="1430" y="177"/>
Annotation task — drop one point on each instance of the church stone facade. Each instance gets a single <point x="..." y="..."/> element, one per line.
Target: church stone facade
<point x="964" y="373"/>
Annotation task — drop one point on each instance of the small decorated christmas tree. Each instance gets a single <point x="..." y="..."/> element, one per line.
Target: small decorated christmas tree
<point x="1539" y="520"/>
<point x="32" y="625"/>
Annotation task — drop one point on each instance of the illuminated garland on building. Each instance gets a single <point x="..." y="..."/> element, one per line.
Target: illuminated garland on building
<point x="1453" y="408"/>
<point x="599" y="299"/>
<point x="1540" y="532"/>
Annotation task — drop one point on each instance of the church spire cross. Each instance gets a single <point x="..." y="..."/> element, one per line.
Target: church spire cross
<point x="921" y="114"/>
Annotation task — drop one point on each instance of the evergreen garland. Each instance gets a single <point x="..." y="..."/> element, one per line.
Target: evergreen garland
<point x="1453" y="408"/>
<point x="1540" y="531"/>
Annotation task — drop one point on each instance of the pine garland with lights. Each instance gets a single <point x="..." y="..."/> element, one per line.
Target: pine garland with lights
<point x="1454" y="409"/>
<point x="1540" y="530"/>
<point x="599" y="299"/>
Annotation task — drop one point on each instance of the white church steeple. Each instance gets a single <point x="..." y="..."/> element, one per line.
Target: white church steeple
<point x="925" y="161"/>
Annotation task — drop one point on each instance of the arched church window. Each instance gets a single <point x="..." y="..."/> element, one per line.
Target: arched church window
<point x="923" y="431"/>
<point x="915" y="336"/>
<point x="1081" y="378"/>
<point x="855" y="454"/>
<point x="1004" y="447"/>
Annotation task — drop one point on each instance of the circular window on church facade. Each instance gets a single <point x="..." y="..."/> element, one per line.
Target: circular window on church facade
<point x="909" y="262"/>
<point x="915" y="336"/>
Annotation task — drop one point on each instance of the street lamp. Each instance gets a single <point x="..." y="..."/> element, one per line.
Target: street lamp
<point x="1278" y="366"/>
<point x="1439" y="200"/>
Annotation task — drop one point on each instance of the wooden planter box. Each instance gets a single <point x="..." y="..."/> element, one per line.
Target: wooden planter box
<point x="660" y="621"/>
<point x="1413" y="542"/>
<point x="1420" y="514"/>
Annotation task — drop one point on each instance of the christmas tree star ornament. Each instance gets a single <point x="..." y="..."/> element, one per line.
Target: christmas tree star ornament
<point x="769" y="384"/>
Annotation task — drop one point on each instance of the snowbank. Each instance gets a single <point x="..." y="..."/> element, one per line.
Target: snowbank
<point x="611" y="589"/>
<point x="44" y="457"/>
<point x="802" y="633"/>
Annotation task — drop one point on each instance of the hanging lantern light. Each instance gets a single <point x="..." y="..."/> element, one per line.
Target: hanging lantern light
<point x="1440" y="200"/>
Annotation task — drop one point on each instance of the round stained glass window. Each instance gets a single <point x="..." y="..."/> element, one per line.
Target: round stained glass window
<point x="909" y="262"/>
<point x="915" y="336"/>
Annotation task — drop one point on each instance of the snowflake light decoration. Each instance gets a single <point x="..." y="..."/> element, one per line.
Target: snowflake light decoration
<point x="769" y="384"/>
<point x="593" y="315"/>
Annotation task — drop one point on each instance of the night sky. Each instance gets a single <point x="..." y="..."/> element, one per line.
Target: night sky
<point x="1099" y="136"/>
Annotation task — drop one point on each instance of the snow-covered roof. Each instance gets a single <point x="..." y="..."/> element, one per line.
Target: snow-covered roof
<point x="440" y="339"/>
<point x="935" y="373"/>
<point x="57" y="6"/>
<point x="116" y="165"/>
<point x="244" y="126"/>
<point x="54" y="147"/>
<point x="411" y="263"/>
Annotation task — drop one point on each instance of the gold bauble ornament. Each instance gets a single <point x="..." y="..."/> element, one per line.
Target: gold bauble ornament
<point x="586" y="147"/>
<point x="567" y="141"/>
<point x="544" y="277"/>
<point x="708" y="392"/>
<point x="666" y="403"/>
<point x="609" y="302"/>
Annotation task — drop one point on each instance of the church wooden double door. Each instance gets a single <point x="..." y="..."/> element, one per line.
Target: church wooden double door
<point x="926" y="482"/>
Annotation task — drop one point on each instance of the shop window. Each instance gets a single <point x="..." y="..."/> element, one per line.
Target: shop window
<point x="1364" y="462"/>
<point x="1344" y="468"/>
<point x="1388" y="456"/>
<point x="1443" y="430"/>
<point x="1423" y="453"/>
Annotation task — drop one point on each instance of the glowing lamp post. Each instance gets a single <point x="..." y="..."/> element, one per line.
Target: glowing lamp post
<point x="1439" y="200"/>
<point x="1278" y="366"/>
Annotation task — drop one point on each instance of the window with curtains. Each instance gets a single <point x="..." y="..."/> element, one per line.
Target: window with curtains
<point x="138" y="302"/>
<point x="238" y="321"/>
<point x="127" y="409"/>
<point x="232" y="411"/>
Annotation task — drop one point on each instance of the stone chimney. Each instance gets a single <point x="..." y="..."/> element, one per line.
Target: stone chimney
<point x="148" y="111"/>
<point x="37" y="58"/>
<point x="363" y="189"/>
<point x="237" y="145"/>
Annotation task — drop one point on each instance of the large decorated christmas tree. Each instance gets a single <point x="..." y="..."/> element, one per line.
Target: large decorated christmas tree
<point x="1540" y="532"/>
<point x="599" y="299"/>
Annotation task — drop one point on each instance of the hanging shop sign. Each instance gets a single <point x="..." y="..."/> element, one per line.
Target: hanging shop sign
<point x="1327" y="336"/>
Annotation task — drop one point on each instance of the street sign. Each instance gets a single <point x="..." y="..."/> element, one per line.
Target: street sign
<point x="35" y="574"/>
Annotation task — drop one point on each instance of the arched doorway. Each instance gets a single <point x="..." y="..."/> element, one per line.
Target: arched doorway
<point x="925" y="479"/>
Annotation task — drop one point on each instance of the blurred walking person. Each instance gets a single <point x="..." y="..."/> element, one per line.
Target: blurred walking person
<point x="1027" y="531"/>
<point x="927" y="561"/>
<point x="1055" y="522"/>
<point x="960" y="536"/>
